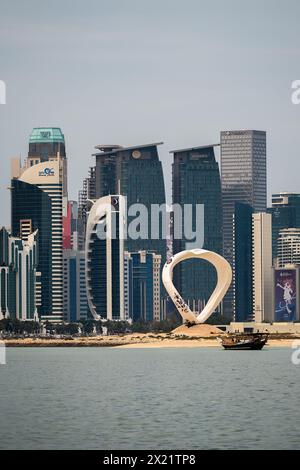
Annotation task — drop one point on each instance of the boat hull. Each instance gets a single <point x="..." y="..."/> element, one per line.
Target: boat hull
<point x="245" y="347"/>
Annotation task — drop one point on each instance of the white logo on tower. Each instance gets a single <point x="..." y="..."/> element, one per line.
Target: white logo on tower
<point x="47" y="172"/>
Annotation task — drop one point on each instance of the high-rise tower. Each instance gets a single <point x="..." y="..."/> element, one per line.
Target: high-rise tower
<point x="39" y="202"/>
<point x="244" y="180"/>
<point x="242" y="280"/>
<point x="87" y="192"/>
<point x="105" y="258"/>
<point x="142" y="286"/>
<point x="196" y="180"/>
<point x="135" y="172"/>
<point x="262" y="267"/>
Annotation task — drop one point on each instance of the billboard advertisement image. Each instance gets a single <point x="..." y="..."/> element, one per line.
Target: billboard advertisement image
<point x="285" y="295"/>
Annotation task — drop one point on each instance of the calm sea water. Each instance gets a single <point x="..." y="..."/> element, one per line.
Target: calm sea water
<point x="93" y="398"/>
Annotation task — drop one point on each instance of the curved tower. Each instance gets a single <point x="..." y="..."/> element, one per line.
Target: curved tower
<point x="137" y="173"/>
<point x="104" y="247"/>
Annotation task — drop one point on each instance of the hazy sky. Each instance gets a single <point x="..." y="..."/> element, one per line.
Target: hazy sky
<point x="134" y="71"/>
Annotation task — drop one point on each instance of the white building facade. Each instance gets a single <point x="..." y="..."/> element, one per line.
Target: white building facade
<point x="104" y="248"/>
<point x="262" y="267"/>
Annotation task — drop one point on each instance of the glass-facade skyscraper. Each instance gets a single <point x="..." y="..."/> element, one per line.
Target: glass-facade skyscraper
<point x="39" y="202"/>
<point x="242" y="281"/>
<point x="244" y="180"/>
<point x="75" y="299"/>
<point x="135" y="172"/>
<point x="196" y="180"/>
<point x="142" y="286"/>
<point x="31" y="205"/>
<point x="37" y="205"/>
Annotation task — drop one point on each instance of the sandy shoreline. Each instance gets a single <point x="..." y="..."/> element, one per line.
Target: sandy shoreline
<point x="136" y="341"/>
<point x="205" y="343"/>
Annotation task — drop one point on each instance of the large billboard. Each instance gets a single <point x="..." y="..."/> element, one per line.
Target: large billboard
<point x="285" y="295"/>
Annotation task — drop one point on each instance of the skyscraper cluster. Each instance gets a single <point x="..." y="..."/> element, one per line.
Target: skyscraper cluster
<point x="101" y="257"/>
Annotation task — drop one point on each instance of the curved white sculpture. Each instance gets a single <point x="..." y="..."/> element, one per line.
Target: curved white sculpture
<point x="224" y="277"/>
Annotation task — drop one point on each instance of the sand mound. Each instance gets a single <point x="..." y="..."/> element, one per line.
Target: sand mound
<point x="201" y="330"/>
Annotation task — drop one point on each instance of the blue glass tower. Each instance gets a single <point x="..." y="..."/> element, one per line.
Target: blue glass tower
<point x="135" y="172"/>
<point x="242" y="271"/>
<point x="29" y="202"/>
<point x="142" y="286"/>
<point x="196" y="180"/>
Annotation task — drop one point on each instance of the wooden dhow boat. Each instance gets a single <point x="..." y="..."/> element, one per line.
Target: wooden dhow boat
<point x="244" y="341"/>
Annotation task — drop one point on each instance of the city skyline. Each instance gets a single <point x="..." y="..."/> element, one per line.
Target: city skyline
<point x="149" y="229"/>
<point x="41" y="204"/>
<point x="181" y="90"/>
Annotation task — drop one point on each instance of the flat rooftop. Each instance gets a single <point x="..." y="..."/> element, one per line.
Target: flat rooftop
<point x="195" y="148"/>
<point x="122" y="149"/>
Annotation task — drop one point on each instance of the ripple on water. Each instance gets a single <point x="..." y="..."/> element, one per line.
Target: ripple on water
<point x="96" y="398"/>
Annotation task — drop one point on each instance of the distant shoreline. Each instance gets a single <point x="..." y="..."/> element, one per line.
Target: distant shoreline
<point x="134" y="341"/>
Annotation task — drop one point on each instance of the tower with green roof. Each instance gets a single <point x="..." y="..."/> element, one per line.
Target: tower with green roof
<point x="46" y="143"/>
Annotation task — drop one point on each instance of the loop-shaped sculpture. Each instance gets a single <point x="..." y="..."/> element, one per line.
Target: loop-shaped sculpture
<point x="224" y="277"/>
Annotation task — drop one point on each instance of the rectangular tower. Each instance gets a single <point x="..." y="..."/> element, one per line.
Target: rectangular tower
<point x="262" y="267"/>
<point x="196" y="181"/>
<point x="142" y="285"/>
<point x="37" y="198"/>
<point x="75" y="300"/>
<point x="242" y="281"/>
<point x="244" y="180"/>
<point x="39" y="202"/>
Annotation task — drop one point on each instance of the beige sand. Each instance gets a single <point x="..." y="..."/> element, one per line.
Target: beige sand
<point x="204" y="343"/>
<point x="174" y="343"/>
<point x="177" y="339"/>
<point x="200" y="331"/>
